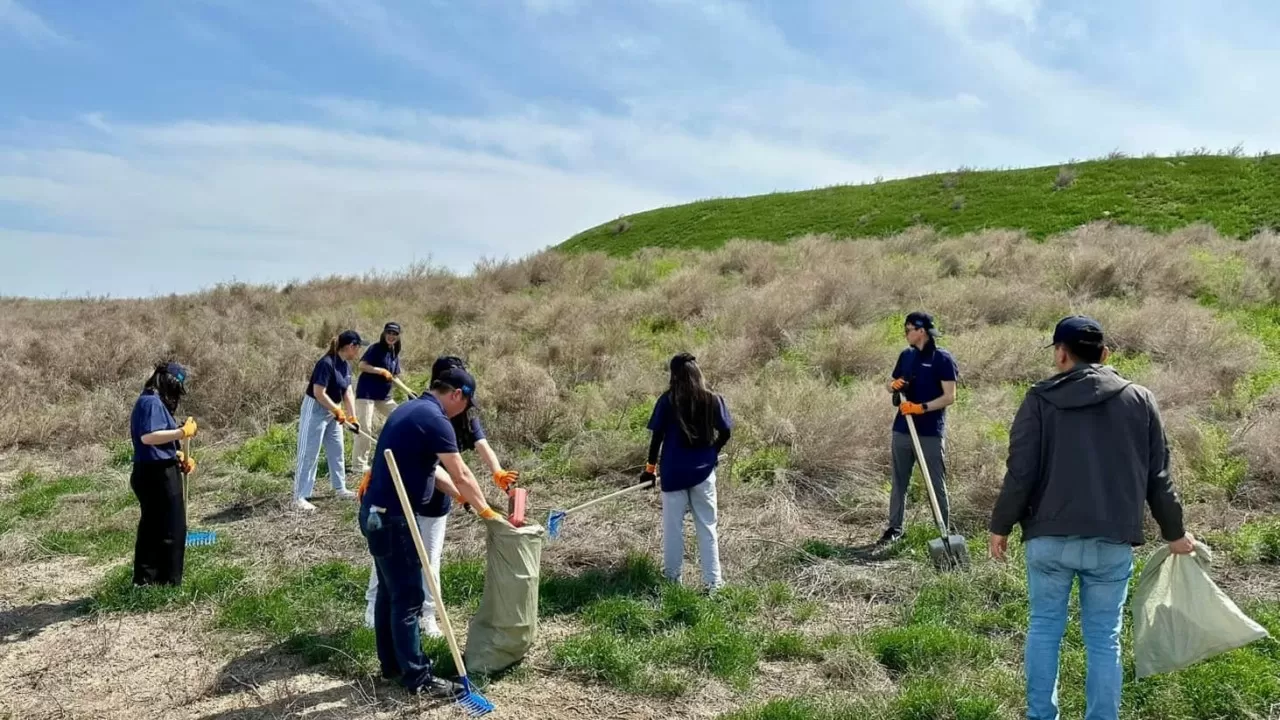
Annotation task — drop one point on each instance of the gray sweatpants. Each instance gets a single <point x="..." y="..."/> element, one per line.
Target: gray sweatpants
<point x="904" y="460"/>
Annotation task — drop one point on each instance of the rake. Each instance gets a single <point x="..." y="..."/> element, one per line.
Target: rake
<point x="471" y="701"/>
<point x="412" y="395"/>
<point x="556" y="519"/>
<point x="194" y="537"/>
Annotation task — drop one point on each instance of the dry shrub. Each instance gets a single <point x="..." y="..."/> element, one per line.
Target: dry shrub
<point x="688" y="294"/>
<point x="831" y="433"/>
<point x="1000" y="354"/>
<point x="969" y="303"/>
<point x="1104" y="261"/>
<point x="729" y="357"/>
<point x="773" y="316"/>
<point x="522" y="402"/>
<point x="853" y="352"/>
<point x="1256" y="443"/>
<point x="977" y="446"/>
<point x="756" y="261"/>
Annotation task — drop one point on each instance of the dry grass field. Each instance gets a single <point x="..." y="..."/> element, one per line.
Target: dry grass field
<point x="570" y="352"/>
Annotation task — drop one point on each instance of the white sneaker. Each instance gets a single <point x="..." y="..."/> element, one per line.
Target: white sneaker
<point x="344" y="493"/>
<point x="368" y="617"/>
<point x="302" y="504"/>
<point x="429" y="627"/>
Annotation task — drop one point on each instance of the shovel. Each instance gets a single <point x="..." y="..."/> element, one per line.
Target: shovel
<point x="949" y="552"/>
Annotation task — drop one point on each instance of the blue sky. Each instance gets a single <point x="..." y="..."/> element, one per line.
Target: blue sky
<point x="156" y="146"/>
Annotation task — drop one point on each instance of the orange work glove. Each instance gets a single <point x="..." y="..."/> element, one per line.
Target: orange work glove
<point x="341" y="417"/>
<point x="489" y="513"/>
<point x="504" y="479"/>
<point x="898" y="384"/>
<point x="188" y="428"/>
<point x="364" y="484"/>
<point x="186" y="464"/>
<point x="385" y="373"/>
<point x="910" y="408"/>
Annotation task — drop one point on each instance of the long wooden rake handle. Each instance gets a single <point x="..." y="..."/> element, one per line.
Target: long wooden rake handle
<point x="610" y="496"/>
<point x="412" y="395"/>
<point x="928" y="481"/>
<point x="426" y="564"/>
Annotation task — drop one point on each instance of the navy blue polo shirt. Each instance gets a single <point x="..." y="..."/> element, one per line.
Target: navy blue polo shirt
<point x="926" y="372"/>
<point x="416" y="432"/>
<point x="440" y="503"/>
<point x="334" y="374"/>
<point x="150" y="415"/>
<point x="372" y="386"/>
<point x="682" y="466"/>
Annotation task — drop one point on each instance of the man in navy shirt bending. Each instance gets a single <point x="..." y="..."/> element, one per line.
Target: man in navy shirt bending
<point x="420" y="436"/>
<point x="925" y="375"/>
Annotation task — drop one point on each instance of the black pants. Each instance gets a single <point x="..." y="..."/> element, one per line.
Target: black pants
<point x="160" y="549"/>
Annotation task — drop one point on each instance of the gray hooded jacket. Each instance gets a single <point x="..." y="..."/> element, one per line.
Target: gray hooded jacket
<point x="1087" y="449"/>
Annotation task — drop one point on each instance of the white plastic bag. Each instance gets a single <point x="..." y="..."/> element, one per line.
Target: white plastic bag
<point x="1181" y="617"/>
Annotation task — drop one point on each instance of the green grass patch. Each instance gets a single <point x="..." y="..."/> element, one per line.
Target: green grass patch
<point x="272" y="452"/>
<point x="207" y="578"/>
<point x="1159" y="194"/>
<point x="120" y="453"/>
<point x="760" y="465"/>
<point x="921" y="648"/>
<point x="328" y="595"/>
<point x="97" y="544"/>
<point x="37" y="497"/>
<point x="1257" y="541"/>
<point x="637" y="576"/>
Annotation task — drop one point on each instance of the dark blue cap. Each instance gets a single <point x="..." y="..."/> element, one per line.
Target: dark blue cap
<point x="1077" y="329"/>
<point x="391" y="327"/>
<point x="177" y="371"/>
<point x="924" y="321"/>
<point x="459" y="379"/>
<point x="349" y="337"/>
<point x="444" y="362"/>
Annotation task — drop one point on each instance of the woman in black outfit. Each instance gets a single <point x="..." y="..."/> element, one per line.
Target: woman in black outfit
<point x="158" y="465"/>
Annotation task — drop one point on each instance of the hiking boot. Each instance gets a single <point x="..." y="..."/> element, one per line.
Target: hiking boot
<point x="437" y="688"/>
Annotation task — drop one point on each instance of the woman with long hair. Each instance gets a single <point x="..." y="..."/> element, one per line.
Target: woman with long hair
<point x="690" y="425"/>
<point x="435" y="515"/>
<point x="381" y="363"/>
<point x="159" y="551"/>
<point x="327" y="405"/>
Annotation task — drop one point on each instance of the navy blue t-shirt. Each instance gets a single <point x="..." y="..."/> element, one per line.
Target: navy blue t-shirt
<point x="416" y="432"/>
<point x="334" y="374"/>
<point x="372" y="386"/>
<point x="926" y="372"/>
<point x="150" y="415"/>
<point x="440" y="503"/>
<point x="681" y="466"/>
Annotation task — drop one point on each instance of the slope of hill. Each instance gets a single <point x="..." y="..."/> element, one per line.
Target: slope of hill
<point x="1236" y="195"/>
<point x="570" y="351"/>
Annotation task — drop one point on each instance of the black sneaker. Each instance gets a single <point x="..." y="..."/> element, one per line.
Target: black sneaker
<point x="438" y="688"/>
<point x="888" y="538"/>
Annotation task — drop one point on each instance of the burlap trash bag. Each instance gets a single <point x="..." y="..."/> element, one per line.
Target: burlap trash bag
<point x="506" y="625"/>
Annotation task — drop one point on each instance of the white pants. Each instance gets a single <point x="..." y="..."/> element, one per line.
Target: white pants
<point x="364" y="416"/>
<point x="432" y="531"/>
<point x="701" y="499"/>
<point x="317" y="426"/>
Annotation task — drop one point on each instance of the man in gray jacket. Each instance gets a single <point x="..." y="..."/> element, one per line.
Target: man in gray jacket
<point x="1087" y="449"/>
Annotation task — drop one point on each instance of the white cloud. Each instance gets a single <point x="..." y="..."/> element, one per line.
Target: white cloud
<point x="27" y="25"/>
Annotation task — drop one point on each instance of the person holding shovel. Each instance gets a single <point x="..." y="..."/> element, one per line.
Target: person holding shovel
<point x="689" y="425"/>
<point x="327" y="405"/>
<point x="435" y="514"/>
<point x="159" y="551"/>
<point x="925" y="375"/>
<point x="421" y="437"/>
<point x="380" y="364"/>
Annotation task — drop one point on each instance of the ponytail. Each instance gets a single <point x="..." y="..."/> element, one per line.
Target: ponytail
<point x="333" y="347"/>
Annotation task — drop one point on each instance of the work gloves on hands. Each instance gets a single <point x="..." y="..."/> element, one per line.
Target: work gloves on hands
<point x="188" y="428"/>
<point x="364" y="484"/>
<point x="186" y="464"/>
<point x="910" y="408"/>
<point x="384" y="373"/>
<point x="897" y="384"/>
<point x="504" y="479"/>
<point x="345" y="419"/>
<point x="650" y="474"/>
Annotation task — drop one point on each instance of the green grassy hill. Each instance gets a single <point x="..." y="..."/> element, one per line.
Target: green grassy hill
<point x="1236" y="195"/>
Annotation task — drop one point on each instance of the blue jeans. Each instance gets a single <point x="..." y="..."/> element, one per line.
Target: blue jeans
<point x="399" y="597"/>
<point x="1104" y="568"/>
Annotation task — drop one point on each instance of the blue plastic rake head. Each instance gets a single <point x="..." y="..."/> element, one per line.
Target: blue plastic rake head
<point x="554" y="521"/>
<point x="472" y="702"/>
<point x="201" y="537"/>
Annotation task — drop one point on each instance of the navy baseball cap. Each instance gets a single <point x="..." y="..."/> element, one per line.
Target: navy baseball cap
<point x="177" y="371"/>
<point x="391" y="327"/>
<point x="349" y="337"/>
<point x="924" y="321"/>
<point x="459" y="379"/>
<point x="1077" y="329"/>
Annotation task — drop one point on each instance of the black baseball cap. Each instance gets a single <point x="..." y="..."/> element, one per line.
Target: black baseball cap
<point x="924" y="321"/>
<point x="1077" y="329"/>
<point x="444" y="362"/>
<point x="391" y="327"/>
<point x="459" y="379"/>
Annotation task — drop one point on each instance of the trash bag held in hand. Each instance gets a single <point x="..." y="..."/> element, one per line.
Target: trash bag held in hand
<point x="1181" y="617"/>
<point x="506" y="624"/>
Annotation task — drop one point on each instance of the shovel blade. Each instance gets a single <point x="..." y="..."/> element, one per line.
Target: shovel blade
<point x="949" y="553"/>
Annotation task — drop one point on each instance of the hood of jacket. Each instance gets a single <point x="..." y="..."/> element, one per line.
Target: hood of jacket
<point x="1081" y="386"/>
